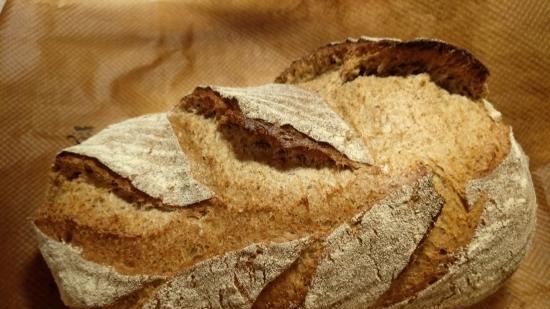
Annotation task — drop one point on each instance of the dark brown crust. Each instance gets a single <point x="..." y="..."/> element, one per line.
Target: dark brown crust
<point x="452" y="68"/>
<point x="72" y="165"/>
<point x="285" y="142"/>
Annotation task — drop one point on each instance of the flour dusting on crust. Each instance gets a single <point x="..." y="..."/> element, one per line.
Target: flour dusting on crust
<point x="146" y="151"/>
<point x="83" y="283"/>
<point x="500" y="242"/>
<point x="492" y="111"/>
<point x="233" y="280"/>
<point x="305" y="111"/>
<point x="362" y="259"/>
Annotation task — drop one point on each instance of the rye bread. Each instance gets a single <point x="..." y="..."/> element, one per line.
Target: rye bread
<point x="380" y="161"/>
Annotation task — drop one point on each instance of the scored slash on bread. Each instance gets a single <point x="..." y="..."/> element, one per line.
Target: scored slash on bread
<point x="72" y="275"/>
<point x="499" y="242"/>
<point x="383" y="154"/>
<point x="199" y="286"/>
<point x="450" y="67"/>
<point x="144" y="151"/>
<point x="287" y="117"/>
<point x="368" y="245"/>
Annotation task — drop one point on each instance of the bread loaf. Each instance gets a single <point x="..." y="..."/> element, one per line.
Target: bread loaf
<point x="372" y="174"/>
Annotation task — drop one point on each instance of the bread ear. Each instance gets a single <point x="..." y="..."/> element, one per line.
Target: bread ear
<point x="291" y="120"/>
<point x="450" y="67"/>
<point x="138" y="158"/>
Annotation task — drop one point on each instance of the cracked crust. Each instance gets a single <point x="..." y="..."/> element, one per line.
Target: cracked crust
<point x="452" y="230"/>
<point x="362" y="258"/>
<point x="450" y="67"/>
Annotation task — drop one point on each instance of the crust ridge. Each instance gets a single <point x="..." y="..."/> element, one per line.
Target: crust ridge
<point x="293" y="121"/>
<point x="145" y="151"/>
<point x="452" y="68"/>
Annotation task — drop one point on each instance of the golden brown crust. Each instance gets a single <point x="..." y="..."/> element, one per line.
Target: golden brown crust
<point x="144" y="150"/>
<point x="97" y="228"/>
<point x="254" y="218"/>
<point x="290" y="288"/>
<point x="452" y="68"/>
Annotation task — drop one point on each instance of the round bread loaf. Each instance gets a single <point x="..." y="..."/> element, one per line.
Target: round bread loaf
<point x="371" y="174"/>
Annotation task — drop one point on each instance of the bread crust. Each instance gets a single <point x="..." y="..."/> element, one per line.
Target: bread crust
<point x="380" y="57"/>
<point x="288" y="117"/>
<point x="499" y="243"/>
<point x="453" y="68"/>
<point x="233" y="280"/>
<point x="83" y="283"/>
<point x="144" y="151"/>
<point x="376" y="244"/>
<point x="383" y="238"/>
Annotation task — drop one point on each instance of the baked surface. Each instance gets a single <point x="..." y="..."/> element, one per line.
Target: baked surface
<point x="390" y="173"/>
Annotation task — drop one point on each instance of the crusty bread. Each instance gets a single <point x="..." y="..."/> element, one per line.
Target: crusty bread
<point x="373" y="174"/>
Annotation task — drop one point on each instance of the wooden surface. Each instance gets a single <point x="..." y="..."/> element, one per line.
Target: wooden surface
<point x="68" y="69"/>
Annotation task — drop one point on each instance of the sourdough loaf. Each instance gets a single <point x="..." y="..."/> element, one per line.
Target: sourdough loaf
<point x="372" y="174"/>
